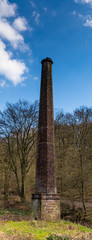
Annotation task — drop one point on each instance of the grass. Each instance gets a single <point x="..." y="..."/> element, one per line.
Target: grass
<point x="39" y="230"/>
<point x="23" y="228"/>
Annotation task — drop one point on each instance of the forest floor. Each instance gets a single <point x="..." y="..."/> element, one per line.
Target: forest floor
<point x="16" y="222"/>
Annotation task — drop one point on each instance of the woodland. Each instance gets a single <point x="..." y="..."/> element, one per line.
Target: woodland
<point x="73" y="148"/>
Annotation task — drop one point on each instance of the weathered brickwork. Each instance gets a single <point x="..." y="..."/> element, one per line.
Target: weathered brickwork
<point x="45" y="166"/>
<point x="45" y="174"/>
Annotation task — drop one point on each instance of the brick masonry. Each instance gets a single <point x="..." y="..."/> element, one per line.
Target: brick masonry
<point x="45" y="201"/>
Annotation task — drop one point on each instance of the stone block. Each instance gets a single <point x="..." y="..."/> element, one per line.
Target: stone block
<point x="46" y="207"/>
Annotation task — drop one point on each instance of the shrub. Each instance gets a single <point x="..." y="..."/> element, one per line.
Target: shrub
<point x="57" y="237"/>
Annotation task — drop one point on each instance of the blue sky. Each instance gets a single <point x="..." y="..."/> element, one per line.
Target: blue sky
<point x="32" y="30"/>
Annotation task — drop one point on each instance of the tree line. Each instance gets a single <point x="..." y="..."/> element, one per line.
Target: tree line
<point x="18" y="149"/>
<point x="73" y="137"/>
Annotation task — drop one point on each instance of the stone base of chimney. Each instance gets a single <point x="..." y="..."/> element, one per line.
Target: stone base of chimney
<point x="45" y="207"/>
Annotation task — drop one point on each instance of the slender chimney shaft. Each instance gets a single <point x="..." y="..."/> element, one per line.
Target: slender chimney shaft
<point x="45" y="200"/>
<point x="45" y="169"/>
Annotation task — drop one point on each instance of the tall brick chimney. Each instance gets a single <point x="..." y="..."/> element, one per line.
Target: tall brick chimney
<point x="45" y="169"/>
<point x="45" y="201"/>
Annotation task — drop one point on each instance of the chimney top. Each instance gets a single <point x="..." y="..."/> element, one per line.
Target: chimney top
<point x="47" y="59"/>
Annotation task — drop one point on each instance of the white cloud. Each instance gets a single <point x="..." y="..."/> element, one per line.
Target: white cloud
<point x="88" y="23"/>
<point x="20" y="24"/>
<point x="87" y="19"/>
<point x="81" y="16"/>
<point x="35" y="78"/>
<point x="12" y="69"/>
<point x="74" y="13"/>
<point x="2" y="83"/>
<point x="7" y="32"/>
<point x="32" y="4"/>
<point x="84" y="1"/>
<point x="45" y="9"/>
<point x="7" y="9"/>
<point x="36" y="15"/>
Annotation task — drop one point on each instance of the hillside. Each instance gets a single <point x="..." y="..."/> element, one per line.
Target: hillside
<point x="39" y="230"/>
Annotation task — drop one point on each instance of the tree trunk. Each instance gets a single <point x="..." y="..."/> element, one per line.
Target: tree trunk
<point x="82" y="184"/>
<point x="6" y="187"/>
<point x="22" y="196"/>
<point x="17" y="180"/>
<point x="22" y="182"/>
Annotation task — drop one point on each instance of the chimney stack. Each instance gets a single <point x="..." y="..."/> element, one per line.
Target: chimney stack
<point x="45" y="201"/>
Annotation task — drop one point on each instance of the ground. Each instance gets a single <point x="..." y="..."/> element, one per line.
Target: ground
<point x="16" y="223"/>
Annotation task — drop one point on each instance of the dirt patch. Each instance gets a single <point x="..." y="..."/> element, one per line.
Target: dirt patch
<point x="11" y="217"/>
<point x="4" y="237"/>
<point x="1" y="221"/>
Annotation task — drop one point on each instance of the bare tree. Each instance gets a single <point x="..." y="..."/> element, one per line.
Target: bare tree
<point x="63" y="138"/>
<point x="18" y="129"/>
<point x="73" y="135"/>
<point x="82" y="118"/>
